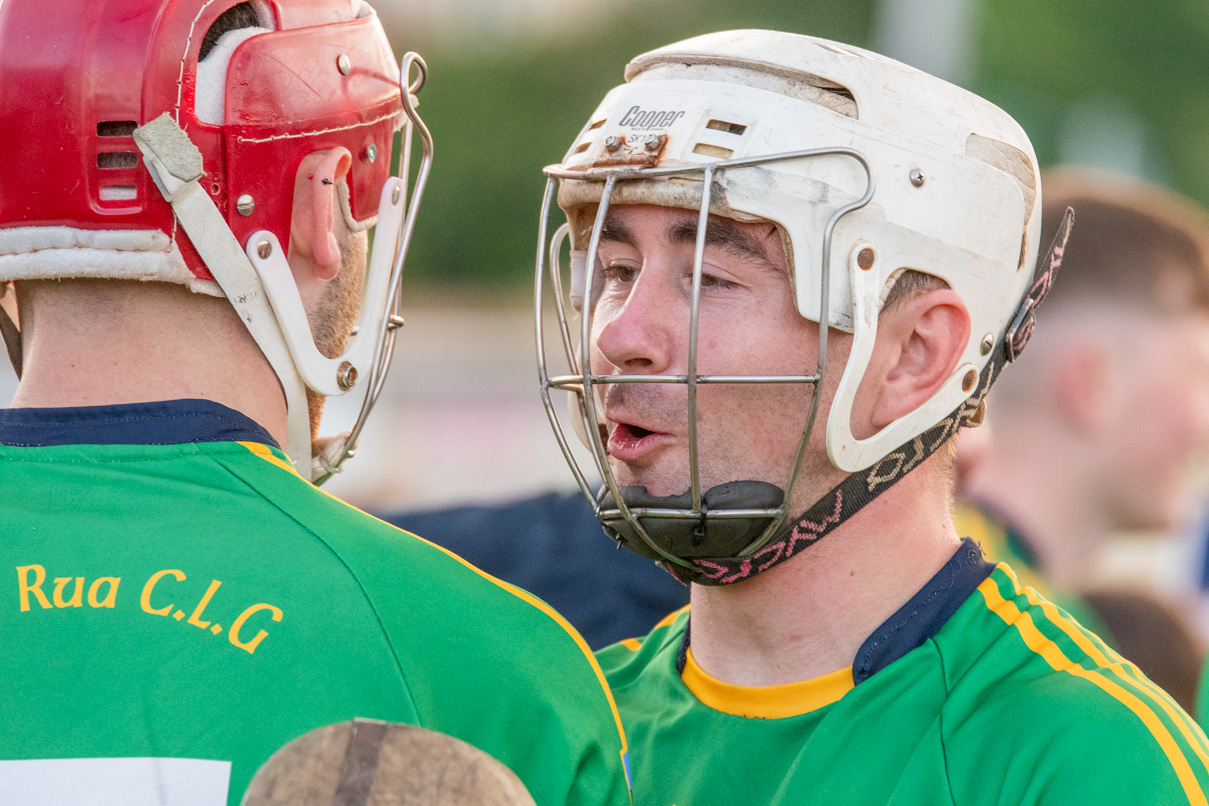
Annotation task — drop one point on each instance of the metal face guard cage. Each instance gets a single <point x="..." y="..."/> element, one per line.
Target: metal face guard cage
<point x="582" y="383"/>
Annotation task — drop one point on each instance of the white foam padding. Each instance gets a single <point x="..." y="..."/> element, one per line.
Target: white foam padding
<point x="49" y="253"/>
<point x="210" y="104"/>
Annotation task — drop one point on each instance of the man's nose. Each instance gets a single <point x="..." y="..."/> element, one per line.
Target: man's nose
<point x="646" y="332"/>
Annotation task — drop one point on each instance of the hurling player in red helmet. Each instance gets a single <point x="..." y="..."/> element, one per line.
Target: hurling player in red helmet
<point x="185" y="195"/>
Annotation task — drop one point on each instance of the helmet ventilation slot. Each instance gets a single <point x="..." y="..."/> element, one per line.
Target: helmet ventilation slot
<point x="116" y="128"/>
<point x="109" y="160"/>
<point x="718" y="152"/>
<point x="118" y="193"/>
<point x="724" y="126"/>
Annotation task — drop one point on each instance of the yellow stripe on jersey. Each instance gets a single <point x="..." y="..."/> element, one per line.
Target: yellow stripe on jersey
<point x="1109" y="659"/>
<point x="265" y="453"/>
<point x="632" y="644"/>
<point x="670" y="617"/>
<point x="765" y="702"/>
<point x="562" y="622"/>
<point x="1053" y="655"/>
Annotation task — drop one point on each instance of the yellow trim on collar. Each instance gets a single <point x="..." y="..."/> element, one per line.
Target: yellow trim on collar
<point x="765" y="702"/>
<point x="266" y="453"/>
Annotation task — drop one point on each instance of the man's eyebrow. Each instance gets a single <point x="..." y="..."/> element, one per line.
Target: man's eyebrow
<point x="615" y="230"/>
<point x="720" y="232"/>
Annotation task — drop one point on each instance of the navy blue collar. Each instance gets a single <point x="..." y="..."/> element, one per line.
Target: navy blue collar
<point x="167" y="422"/>
<point x="915" y="622"/>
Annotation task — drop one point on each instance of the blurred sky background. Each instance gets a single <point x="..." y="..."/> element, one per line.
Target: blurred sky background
<point x="1115" y="83"/>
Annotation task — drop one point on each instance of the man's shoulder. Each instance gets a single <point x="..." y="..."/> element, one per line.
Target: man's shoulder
<point x="625" y="661"/>
<point x="1027" y="680"/>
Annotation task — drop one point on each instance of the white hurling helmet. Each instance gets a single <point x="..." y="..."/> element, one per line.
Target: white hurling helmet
<point x="868" y="168"/>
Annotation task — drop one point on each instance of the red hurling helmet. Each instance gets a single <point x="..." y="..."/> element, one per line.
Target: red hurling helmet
<point x="81" y="195"/>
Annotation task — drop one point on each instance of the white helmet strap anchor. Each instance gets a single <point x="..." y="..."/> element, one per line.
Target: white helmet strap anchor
<point x="846" y="451"/>
<point x="175" y="164"/>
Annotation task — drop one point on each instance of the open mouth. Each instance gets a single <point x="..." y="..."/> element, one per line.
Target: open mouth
<point x="629" y="442"/>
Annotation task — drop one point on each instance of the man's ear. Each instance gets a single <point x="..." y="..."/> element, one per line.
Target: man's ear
<point x="315" y="210"/>
<point x="919" y="342"/>
<point x="1080" y="377"/>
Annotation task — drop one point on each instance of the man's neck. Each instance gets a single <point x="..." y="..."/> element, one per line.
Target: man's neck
<point x="810" y="615"/>
<point x="104" y="342"/>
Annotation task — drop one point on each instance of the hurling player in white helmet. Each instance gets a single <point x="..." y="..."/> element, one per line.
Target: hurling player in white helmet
<point x="185" y="192"/>
<point x="794" y="268"/>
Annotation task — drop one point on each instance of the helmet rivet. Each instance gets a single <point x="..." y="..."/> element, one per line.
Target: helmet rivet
<point x="264" y="249"/>
<point x="967" y="383"/>
<point x="371" y="152"/>
<point x="652" y="143"/>
<point x="918" y="178"/>
<point x="865" y="258"/>
<point x="612" y="142"/>
<point x="346" y="376"/>
<point x="396" y="194"/>
<point x="343" y="64"/>
<point x="988" y="341"/>
<point x="245" y="204"/>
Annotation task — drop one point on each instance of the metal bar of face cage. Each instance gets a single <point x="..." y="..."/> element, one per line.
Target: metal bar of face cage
<point x="599" y="451"/>
<point x="560" y="306"/>
<point x="563" y="381"/>
<point x="824" y="316"/>
<point x="694" y="469"/>
<point x="556" y="244"/>
<point x="670" y="513"/>
<point x="604" y="174"/>
<point x="385" y="348"/>
<point x="543" y="376"/>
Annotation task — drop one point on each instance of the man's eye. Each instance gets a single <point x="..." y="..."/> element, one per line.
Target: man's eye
<point x="711" y="281"/>
<point x="622" y="274"/>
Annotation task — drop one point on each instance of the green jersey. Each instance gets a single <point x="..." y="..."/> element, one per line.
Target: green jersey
<point x="977" y="692"/>
<point x="178" y="604"/>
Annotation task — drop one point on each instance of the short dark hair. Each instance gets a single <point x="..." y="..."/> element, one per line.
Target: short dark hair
<point x="241" y="15"/>
<point x="1133" y="242"/>
<point x="909" y="283"/>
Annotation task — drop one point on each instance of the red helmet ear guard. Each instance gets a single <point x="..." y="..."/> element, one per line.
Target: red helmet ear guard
<point x="72" y="93"/>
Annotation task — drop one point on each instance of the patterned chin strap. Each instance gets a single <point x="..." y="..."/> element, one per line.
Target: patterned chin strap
<point x="859" y="489"/>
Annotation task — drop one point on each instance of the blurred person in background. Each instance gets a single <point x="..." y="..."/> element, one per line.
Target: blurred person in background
<point x="1153" y="635"/>
<point x="1105" y="428"/>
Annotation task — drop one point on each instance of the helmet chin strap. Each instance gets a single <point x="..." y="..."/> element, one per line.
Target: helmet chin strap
<point x="673" y="540"/>
<point x="710" y="550"/>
